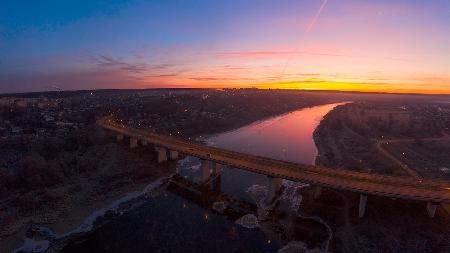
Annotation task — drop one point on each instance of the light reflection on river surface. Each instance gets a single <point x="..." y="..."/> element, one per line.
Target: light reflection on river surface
<point x="286" y="137"/>
<point x="176" y="220"/>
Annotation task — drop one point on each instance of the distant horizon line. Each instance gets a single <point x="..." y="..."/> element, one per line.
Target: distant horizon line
<point x="225" y="88"/>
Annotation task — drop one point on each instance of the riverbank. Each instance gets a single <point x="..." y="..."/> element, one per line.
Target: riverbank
<point x="346" y="139"/>
<point x="400" y="139"/>
<point x="64" y="206"/>
<point x="343" y="142"/>
<point x="63" y="180"/>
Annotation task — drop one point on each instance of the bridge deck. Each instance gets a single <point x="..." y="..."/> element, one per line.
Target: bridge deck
<point x="367" y="183"/>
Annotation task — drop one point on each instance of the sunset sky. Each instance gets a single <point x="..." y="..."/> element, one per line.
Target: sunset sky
<point x="364" y="45"/>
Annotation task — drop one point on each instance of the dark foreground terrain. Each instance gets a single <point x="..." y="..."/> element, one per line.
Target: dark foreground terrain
<point x="57" y="166"/>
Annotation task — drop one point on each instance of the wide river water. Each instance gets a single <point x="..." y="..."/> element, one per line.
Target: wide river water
<point x="227" y="215"/>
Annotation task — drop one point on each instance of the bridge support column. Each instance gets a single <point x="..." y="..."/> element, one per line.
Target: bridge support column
<point x="217" y="167"/>
<point x="431" y="209"/>
<point x="317" y="191"/>
<point x="216" y="184"/>
<point x="362" y="204"/>
<point x="119" y="137"/>
<point x="173" y="155"/>
<point x="162" y="154"/>
<point x="205" y="170"/>
<point x="133" y="142"/>
<point x="274" y="187"/>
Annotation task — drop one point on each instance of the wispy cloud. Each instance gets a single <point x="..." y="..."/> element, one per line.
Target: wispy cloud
<point x="163" y="66"/>
<point x="255" y="53"/>
<point x="275" y="53"/>
<point x="281" y="54"/>
<point x="110" y="62"/>
<point x="162" y="75"/>
<point x="76" y="80"/>
<point x="218" y="79"/>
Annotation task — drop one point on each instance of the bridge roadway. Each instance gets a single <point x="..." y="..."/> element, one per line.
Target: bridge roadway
<point x="365" y="183"/>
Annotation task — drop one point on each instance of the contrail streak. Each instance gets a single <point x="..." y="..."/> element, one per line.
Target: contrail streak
<point x="310" y="26"/>
<point x="314" y="20"/>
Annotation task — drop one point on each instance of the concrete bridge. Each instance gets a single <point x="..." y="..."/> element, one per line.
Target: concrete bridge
<point x="432" y="193"/>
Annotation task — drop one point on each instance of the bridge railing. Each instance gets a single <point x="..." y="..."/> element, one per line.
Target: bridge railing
<point x="363" y="182"/>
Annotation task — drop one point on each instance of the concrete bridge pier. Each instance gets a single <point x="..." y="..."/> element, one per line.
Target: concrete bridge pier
<point x="119" y="137"/>
<point x="431" y="209"/>
<point x="162" y="154"/>
<point x="217" y="168"/>
<point x="274" y="188"/>
<point x="317" y="191"/>
<point x="205" y="169"/>
<point x="173" y="155"/>
<point x="216" y="184"/>
<point x="362" y="204"/>
<point x="133" y="142"/>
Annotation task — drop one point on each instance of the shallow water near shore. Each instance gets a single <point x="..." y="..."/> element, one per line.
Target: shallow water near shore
<point x="226" y="215"/>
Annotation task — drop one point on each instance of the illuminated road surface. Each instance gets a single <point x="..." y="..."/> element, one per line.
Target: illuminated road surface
<point x="389" y="186"/>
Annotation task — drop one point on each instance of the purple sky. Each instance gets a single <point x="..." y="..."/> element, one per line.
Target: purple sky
<point x="376" y="45"/>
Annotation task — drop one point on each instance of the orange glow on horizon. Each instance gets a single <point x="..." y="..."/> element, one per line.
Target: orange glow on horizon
<point x="324" y="86"/>
<point x="358" y="87"/>
<point x="314" y="78"/>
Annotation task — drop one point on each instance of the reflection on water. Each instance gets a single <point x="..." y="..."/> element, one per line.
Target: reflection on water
<point x="169" y="223"/>
<point x="226" y="214"/>
<point x="287" y="137"/>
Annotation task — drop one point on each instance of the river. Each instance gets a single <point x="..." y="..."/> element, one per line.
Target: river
<point x="228" y="214"/>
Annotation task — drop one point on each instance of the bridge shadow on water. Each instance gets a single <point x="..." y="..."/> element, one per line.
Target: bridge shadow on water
<point x="189" y="216"/>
